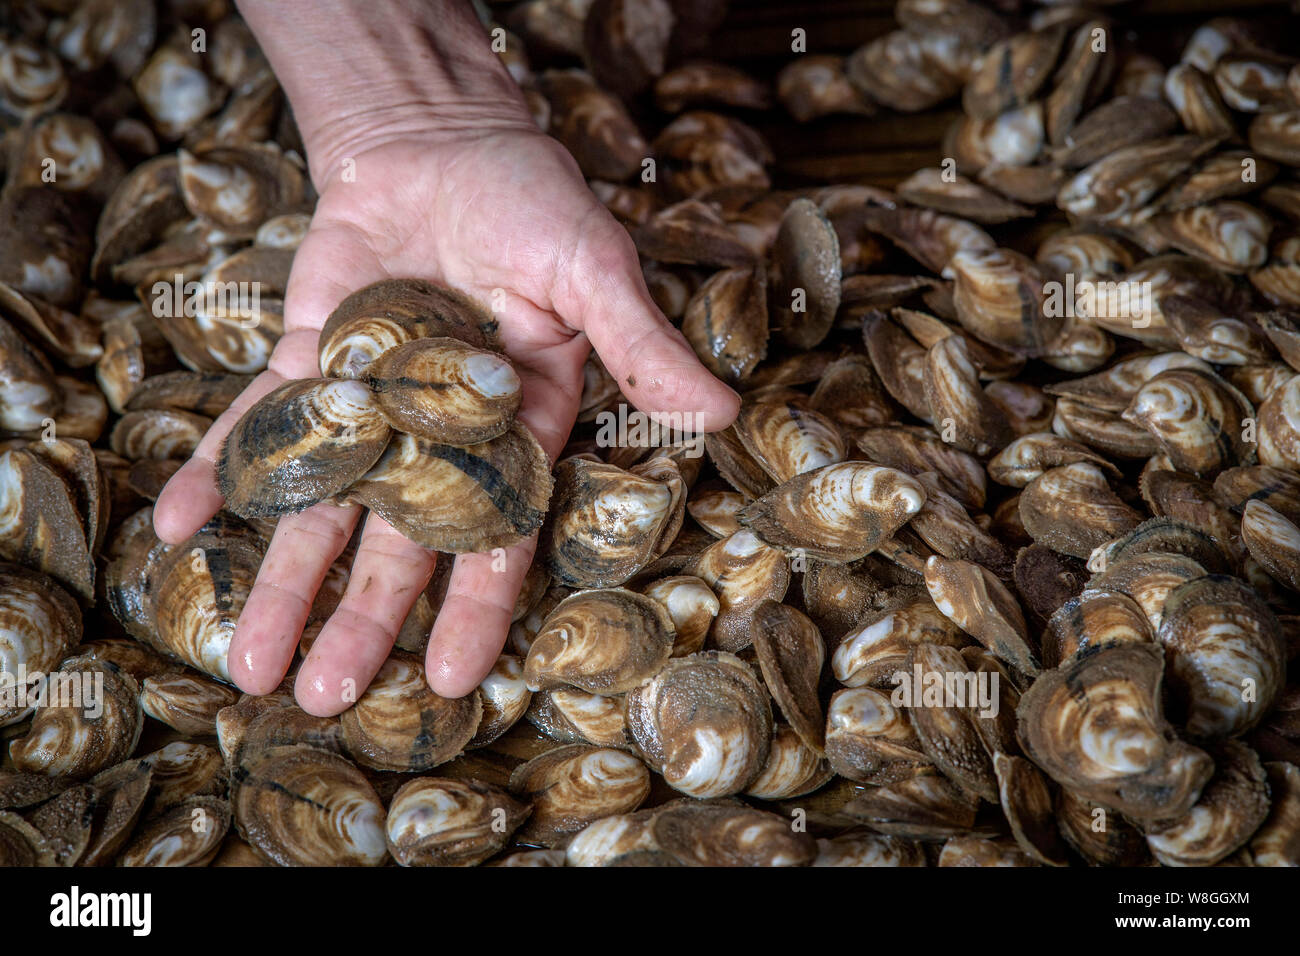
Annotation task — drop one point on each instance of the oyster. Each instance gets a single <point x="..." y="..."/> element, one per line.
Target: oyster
<point x="1095" y="726"/>
<point x="189" y="834"/>
<point x="445" y="390"/>
<point x="838" y="512"/>
<point x="185" y="702"/>
<point x="871" y="741"/>
<point x="304" y="442"/>
<point x="790" y="657"/>
<point x="571" y="787"/>
<point x="721" y="834"/>
<point x="606" y="524"/>
<point x="89" y="719"/>
<point x="300" y="806"/>
<point x="704" y="723"/>
<point x="505" y="697"/>
<point x="742" y="571"/>
<point x="434" y="822"/>
<point x="39" y="624"/>
<point x="1226" y="657"/>
<point x="459" y="499"/>
<point x="602" y="641"/>
<point x="399" y="723"/>
<point x="393" y="312"/>
<point x="1230" y="809"/>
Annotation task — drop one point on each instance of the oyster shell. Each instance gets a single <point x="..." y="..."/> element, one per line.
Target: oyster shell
<point x="39" y="624"/>
<point x="460" y="499"/>
<point x="1230" y="809"/>
<point x="607" y="524"/>
<point x="1225" y="653"/>
<point x="300" y="806"/>
<point x="392" y="312"/>
<point x="704" y="723"/>
<point x="571" y="787"/>
<point x="399" y="723"/>
<point x="188" y="834"/>
<point x="89" y="719"/>
<point x="602" y="641"/>
<point x="1095" y="726"/>
<point x="185" y="702"/>
<point x="444" y="390"/>
<point x="742" y="571"/>
<point x="505" y="697"/>
<point x="435" y="822"/>
<point x="726" y="322"/>
<point x="722" y="834"/>
<point x="302" y="443"/>
<point x="790" y="657"/>
<point x="839" y="512"/>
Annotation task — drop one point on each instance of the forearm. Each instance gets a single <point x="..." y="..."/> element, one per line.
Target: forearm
<point x="359" y="73"/>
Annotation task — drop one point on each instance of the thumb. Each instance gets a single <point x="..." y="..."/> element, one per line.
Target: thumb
<point x="605" y="296"/>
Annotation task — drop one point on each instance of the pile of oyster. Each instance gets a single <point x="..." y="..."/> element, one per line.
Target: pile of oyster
<point x="998" y="565"/>
<point x="416" y="422"/>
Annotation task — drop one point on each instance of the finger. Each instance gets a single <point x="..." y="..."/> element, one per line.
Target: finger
<point x="475" y="618"/>
<point x="388" y="575"/>
<point x="605" y="296"/>
<point x="301" y="552"/>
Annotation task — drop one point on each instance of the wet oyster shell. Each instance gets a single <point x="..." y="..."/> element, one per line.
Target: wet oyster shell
<point x="189" y="834"/>
<point x="721" y="834"/>
<point x="691" y="604"/>
<point x="302" y="443"/>
<point x="1226" y="658"/>
<point x="571" y="787"/>
<point x="505" y="697"/>
<point x="726" y="322"/>
<point x="704" y="723"/>
<point x="300" y="806"/>
<point x="601" y="641"/>
<point x="606" y="524"/>
<point x="1072" y="509"/>
<point x="982" y="606"/>
<point x="39" y="624"/>
<point x="458" y="499"/>
<point x="1095" y="726"/>
<point x="435" y="822"/>
<point x="792" y="770"/>
<point x="1231" y="808"/>
<point x="790" y="657"/>
<point x="90" y="718"/>
<point x="871" y="741"/>
<point x="399" y="723"/>
<point x="197" y="591"/>
<point x="742" y="571"/>
<point x="444" y="390"/>
<point x="392" y="312"/>
<point x="185" y="702"/>
<point x="804" y="293"/>
<point x="839" y="512"/>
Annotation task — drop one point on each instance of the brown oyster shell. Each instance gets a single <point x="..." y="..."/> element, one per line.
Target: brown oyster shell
<point x="704" y="722"/>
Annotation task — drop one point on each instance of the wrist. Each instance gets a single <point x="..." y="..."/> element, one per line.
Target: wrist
<point x="360" y="73"/>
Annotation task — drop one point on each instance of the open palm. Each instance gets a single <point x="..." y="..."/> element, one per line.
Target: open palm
<point x="505" y="216"/>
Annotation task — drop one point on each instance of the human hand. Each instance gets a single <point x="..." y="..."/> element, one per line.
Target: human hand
<point x="500" y="211"/>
